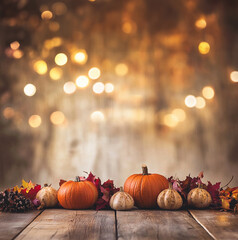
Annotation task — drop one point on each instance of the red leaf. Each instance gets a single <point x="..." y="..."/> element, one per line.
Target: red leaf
<point x="61" y="182"/>
<point x="32" y="193"/>
<point x="214" y="192"/>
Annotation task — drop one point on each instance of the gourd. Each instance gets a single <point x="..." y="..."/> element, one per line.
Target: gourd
<point x="170" y="199"/>
<point x="199" y="197"/>
<point x="145" y="188"/>
<point x="121" y="200"/>
<point x="77" y="194"/>
<point x="47" y="197"/>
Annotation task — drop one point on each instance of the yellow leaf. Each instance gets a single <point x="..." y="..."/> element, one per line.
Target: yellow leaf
<point x="24" y="184"/>
<point x="225" y="204"/>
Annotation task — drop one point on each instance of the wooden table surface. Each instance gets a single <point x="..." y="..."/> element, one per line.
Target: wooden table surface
<point x="134" y="224"/>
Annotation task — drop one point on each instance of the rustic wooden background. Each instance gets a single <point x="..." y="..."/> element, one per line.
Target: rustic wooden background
<point x="164" y="66"/>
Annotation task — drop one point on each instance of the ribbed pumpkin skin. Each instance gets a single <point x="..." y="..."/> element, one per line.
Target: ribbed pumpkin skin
<point x="145" y="188"/>
<point x="77" y="195"/>
<point x="169" y="199"/>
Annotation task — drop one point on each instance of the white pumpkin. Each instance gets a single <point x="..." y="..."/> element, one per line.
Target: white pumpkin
<point x="121" y="201"/>
<point x="47" y="197"/>
<point x="170" y="199"/>
<point x="199" y="198"/>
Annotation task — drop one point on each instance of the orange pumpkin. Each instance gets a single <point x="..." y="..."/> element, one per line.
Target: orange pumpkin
<point x="77" y="194"/>
<point x="145" y="188"/>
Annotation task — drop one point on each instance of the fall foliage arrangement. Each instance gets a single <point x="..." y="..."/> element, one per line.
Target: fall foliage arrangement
<point x="142" y="190"/>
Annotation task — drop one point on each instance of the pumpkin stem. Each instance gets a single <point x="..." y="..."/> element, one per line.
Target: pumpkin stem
<point x="200" y="185"/>
<point x="121" y="189"/>
<point x="170" y="186"/>
<point x="144" y="169"/>
<point x="77" y="179"/>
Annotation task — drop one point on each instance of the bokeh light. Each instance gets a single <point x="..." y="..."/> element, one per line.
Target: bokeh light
<point x="15" y="45"/>
<point x="201" y="103"/>
<point x="208" y="92"/>
<point x="61" y="59"/>
<point x="46" y="15"/>
<point x="40" y="67"/>
<point x="56" y="73"/>
<point x="54" y="26"/>
<point x="129" y="27"/>
<point x="201" y="23"/>
<point x="8" y="112"/>
<point x="170" y="120"/>
<point x="80" y="57"/>
<point x="29" y="90"/>
<point x="57" y="118"/>
<point x="59" y="8"/>
<point x="180" y="114"/>
<point x="94" y="73"/>
<point x="109" y="87"/>
<point x="234" y="76"/>
<point x="97" y="116"/>
<point x="98" y="87"/>
<point x="17" y="54"/>
<point x="204" y="47"/>
<point x="121" y="69"/>
<point x="190" y="101"/>
<point x="69" y="87"/>
<point x="34" y="121"/>
<point x="82" y="81"/>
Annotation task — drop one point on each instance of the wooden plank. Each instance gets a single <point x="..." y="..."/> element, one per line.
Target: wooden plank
<point x="158" y="224"/>
<point x="12" y="224"/>
<point x="220" y="225"/>
<point x="71" y="224"/>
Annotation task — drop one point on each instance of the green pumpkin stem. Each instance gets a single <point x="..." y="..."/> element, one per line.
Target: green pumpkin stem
<point x="144" y="169"/>
<point x="121" y="189"/>
<point x="200" y="185"/>
<point x="77" y="179"/>
<point x="170" y="185"/>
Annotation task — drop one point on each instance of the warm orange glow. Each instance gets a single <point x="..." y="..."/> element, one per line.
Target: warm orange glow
<point x="208" y="92"/>
<point x="129" y="27"/>
<point x="46" y="15"/>
<point x="82" y="81"/>
<point x="190" y="101"/>
<point x="61" y="59"/>
<point x="34" y="121"/>
<point x="80" y="57"/>
<point x="180" y="114"/>
<point x="54" y="26"/>
<point x="40" y="67"/>
<point x="234" y="76"/>
<point x="17" y="54"/>
<point x="59" y="8"/>
<point x="170" y="120"/>
<point x="94" y="73"/>
<point x="98" y="87"/>
<point x="97" y="116"/>
<point x="15" y="45"/>
<point x="8" y="112"/>
<point x="56" y="73"/>
<point x="201" y="23"/>
<point x="204" y="47"/>
<point x="57" y="118"/>
<point x="29" y="90"/>
<point x="121" y="69"/>
<point x="109" y="87"/>
<point x="54" y="42"/>
<point x="69" y="87"/>
<point x="201" y="103"/>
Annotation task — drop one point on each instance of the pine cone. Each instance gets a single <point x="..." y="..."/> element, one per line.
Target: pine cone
<point x="11" y="201"/>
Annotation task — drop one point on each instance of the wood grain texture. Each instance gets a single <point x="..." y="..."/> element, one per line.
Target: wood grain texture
<point x="220" y="225"/>
<point x="71" y="224"/>
<point x="12" y="224"/>
<point x="157" y="224"/>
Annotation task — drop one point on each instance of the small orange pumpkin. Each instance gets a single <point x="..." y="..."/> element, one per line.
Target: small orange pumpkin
<point x="145" y="188"/>
<point x="77" y="194"/>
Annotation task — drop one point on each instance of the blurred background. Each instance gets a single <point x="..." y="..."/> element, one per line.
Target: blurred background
<point x="106" y="85"/>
